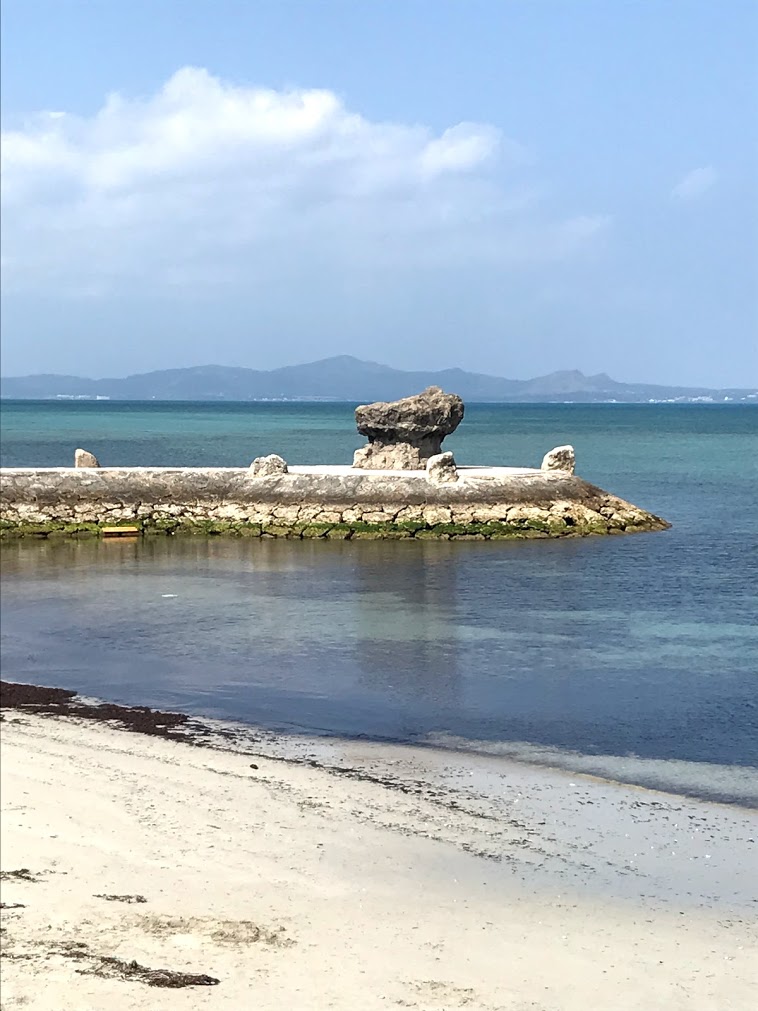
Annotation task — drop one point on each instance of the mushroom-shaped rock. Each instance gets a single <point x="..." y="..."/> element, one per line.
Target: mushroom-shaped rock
<point x="404" y="434"/>
<point x="394" y="456"/>
<point x="84" y="459"/>
<point x="560" y="458"/>
<point x="268" y="466"/>
<point x="441" y="468"/>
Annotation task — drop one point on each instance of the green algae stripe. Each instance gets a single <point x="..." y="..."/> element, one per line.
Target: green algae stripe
<point x="406" y="529"/>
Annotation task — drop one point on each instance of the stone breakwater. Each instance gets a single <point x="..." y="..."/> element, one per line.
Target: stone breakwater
<point x="330" y="502"/>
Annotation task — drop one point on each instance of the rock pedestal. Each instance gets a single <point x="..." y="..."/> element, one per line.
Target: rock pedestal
<point x="404" y="434"/>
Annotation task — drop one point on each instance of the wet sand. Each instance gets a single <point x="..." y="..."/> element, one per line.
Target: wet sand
<point x="276" y="873"/>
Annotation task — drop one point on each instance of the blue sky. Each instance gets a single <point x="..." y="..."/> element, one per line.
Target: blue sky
<point x="508" y="186"/>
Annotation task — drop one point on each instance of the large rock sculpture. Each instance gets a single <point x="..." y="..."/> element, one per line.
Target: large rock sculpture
<point x="560" y="458"/>
<point x="84" y="459"/>
<point x="404" y="434"/>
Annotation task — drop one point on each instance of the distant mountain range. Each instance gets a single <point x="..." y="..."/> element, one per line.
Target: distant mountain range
<point x="350" y="379"/>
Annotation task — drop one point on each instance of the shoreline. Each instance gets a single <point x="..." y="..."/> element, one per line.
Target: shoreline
<point x="289" y="744"/>
<point x="380" y="877"/>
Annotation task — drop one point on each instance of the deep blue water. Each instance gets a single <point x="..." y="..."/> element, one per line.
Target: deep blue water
<point x="636" y="654"/>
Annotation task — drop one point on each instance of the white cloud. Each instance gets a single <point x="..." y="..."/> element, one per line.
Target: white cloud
<point x="210" y="183"/>
<point x="695" y="183"/>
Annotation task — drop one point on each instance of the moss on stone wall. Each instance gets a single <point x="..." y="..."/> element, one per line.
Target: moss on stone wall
<point x="173" y="526"/>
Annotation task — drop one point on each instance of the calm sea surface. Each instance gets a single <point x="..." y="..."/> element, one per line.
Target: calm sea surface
<point x="633" y="657"/>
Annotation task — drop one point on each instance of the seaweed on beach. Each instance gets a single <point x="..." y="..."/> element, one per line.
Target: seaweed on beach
<point x="120" y="898"/>
<point x="108" y="967"/>
<point x="23" y="874"/>
<point x="72" y="949"/>
<point x="64" y="702"/>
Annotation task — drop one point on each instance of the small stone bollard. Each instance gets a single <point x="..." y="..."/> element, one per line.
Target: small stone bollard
<point x="560" y="458"/>
<point x="441" y="468"/>
<point x="84" y="459"/>
<point x="268" y="466"/>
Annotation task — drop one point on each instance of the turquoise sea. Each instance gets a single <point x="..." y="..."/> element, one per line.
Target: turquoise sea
<point x="632" y="657"/>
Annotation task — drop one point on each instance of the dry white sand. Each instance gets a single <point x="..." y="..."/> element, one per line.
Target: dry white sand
<point x="392" y="878"/>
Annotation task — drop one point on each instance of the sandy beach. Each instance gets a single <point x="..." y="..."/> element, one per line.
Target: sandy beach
<point x="335" y="875"/>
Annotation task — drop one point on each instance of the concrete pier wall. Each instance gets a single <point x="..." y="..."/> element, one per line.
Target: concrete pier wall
<point x="334" y="502"/>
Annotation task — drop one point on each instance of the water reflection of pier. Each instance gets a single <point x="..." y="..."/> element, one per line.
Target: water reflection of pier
<point x="307" y="630"/>
<point x="406" y="641"/>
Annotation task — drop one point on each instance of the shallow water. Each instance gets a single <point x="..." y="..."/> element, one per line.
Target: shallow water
<point x="633" y="657"/>
<point x="484" y="646"/>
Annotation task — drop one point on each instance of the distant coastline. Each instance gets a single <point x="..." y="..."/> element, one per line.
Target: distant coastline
<point x="345" y="379"/>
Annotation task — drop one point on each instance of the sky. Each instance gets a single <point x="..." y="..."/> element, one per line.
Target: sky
<point x="506" y="186"/>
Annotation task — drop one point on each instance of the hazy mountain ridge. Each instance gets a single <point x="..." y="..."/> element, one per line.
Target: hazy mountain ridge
<point x="349" y="379"/>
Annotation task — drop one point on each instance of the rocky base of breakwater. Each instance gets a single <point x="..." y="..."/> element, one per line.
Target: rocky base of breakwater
<point x="359" y="531"/>
<point x="493" y="504"/>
